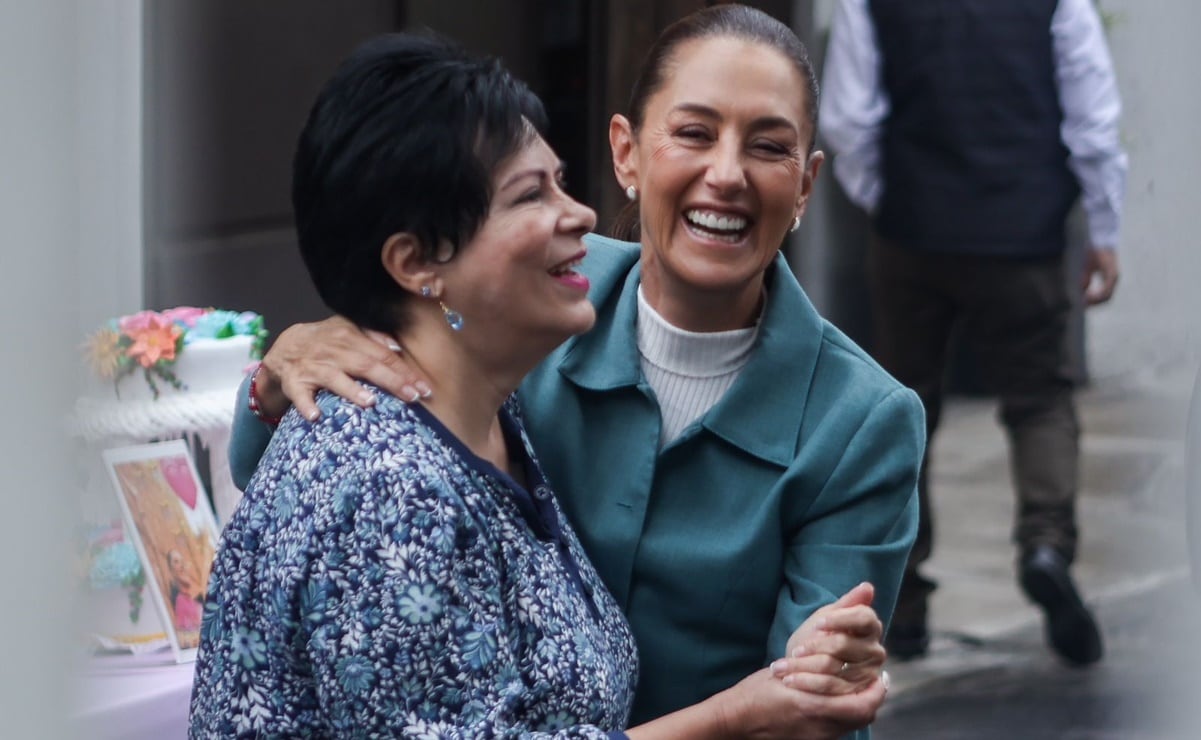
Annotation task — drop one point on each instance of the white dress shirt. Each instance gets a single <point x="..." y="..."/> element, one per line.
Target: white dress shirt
<point x="855" y="105"/>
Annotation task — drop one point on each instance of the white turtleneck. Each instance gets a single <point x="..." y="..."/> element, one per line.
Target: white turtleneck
<point x="689" y="371"/>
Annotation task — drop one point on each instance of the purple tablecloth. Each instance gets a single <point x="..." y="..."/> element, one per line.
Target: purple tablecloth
<point x="133" y="697"/>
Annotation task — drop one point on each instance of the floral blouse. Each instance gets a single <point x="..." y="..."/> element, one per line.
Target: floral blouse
<point x="379" y="579"/>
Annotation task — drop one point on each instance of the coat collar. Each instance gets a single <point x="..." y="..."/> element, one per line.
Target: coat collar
<point x="762" y="411"/>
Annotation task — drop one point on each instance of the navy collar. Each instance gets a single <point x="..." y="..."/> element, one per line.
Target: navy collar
<point x="532" y="499"/>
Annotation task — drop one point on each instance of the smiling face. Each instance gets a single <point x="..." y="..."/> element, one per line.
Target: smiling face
<point x="514" y="281"/>
<point x="721" y="170"/>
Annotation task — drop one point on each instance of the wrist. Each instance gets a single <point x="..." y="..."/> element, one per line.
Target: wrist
<point x="726" y="709"/>
<point x="265" y="397"/>
<point x="711" y="719"/>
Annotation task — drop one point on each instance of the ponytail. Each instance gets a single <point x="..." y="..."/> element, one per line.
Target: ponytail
<point x="626" y="225"/>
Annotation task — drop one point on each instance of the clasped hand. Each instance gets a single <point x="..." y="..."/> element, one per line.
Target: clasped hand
<point x="830" y="683"/>
<point x="838" y="648"/>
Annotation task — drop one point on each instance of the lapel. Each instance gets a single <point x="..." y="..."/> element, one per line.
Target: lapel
<point x="762" y="412"/>
<point x="607" y="357"/>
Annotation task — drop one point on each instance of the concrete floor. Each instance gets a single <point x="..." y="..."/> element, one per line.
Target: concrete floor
<point x="988" y="670"/>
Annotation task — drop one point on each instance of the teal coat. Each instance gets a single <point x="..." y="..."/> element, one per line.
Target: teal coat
<point x="799" y="484"/>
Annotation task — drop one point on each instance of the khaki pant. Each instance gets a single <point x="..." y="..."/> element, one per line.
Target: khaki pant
<point x="1014" y="313"/>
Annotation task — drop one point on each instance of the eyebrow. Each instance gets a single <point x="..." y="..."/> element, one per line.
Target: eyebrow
<point x="538" y="172"/>
<point x="759" y="123"/>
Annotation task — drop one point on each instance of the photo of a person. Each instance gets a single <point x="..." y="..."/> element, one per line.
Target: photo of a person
<point x="185" y="596"/>
<point x="169" y="519"/>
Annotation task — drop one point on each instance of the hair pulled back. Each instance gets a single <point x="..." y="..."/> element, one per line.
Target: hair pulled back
<point x="720" y="21"/>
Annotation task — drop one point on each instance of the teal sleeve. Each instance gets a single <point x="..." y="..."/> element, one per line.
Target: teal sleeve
<point x="862" y="524"/>
<point x="248" y="439"/>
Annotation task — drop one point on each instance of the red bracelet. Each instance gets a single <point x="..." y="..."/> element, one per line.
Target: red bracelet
<point x="256" y="404"/>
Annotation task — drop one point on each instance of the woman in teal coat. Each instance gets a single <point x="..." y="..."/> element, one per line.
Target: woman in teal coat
<point x="732" y="462"/>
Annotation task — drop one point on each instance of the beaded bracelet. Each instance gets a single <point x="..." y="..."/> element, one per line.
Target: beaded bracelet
<point x="256" y="403"/>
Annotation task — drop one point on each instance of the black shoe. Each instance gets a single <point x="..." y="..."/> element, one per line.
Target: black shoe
<point x="1071" y="628"/>
<point x="906" y="641"/>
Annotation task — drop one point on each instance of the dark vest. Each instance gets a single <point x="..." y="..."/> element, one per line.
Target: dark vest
<point x="972" y="158"/>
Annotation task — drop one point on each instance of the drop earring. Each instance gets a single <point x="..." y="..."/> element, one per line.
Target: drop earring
<point x="631" y="193"/>
<point x="796" y="224"/>
<point x="454" y="319"/>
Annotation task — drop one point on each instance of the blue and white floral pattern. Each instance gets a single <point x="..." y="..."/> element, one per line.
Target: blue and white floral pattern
<point x="379" y="580"/>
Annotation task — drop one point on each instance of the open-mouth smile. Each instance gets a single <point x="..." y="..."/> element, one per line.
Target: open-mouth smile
<point x="565" y="272"/>
<point x="708" y="224"/>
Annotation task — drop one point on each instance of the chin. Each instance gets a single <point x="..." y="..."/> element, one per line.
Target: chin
<point x="711" y="276"/>
<point x="713" y="269"/>
<point x="584" y="319"/>
<point x="569" y="322"/>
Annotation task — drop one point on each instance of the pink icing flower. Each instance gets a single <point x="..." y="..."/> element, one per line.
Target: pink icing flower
<point x="185" y="315"/>
<point x="139" y="321"/>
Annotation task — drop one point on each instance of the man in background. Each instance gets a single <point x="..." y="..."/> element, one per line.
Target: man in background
<point x="968" y="129"/>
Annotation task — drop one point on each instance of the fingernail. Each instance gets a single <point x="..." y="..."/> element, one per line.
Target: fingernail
<point x="778" y="667"/>
<point x="395" y="347"/>
<point x="821" y="623"/>
<point x="425" y="389"/>
<point x="366" y="398"/>
<point x="884" y="679"/>
<point x="789" y="681"/>
<point x="799" y="652"/>
<point x="313" y="415"/>
<point x="416" y="397"/>
<point x="409" y="393"/>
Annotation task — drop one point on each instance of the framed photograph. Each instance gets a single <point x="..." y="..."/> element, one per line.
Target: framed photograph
<point x="171" y="524"/>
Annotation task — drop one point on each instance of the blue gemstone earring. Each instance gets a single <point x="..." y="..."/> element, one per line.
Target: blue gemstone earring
<point x="454" y="319"/>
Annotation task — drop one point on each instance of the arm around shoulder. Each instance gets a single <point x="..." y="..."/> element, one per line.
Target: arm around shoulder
<point x="248" y="438"/>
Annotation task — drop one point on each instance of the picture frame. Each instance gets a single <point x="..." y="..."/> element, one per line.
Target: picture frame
<point x="171" y="524"/>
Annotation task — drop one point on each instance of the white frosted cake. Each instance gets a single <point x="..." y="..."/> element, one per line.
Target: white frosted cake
<point x="205" y="365"/>
<point x="150" y="355"/>
<point x="119" y="612"/>
<point x="163" y="375"/>
<point x="154" y="376"/>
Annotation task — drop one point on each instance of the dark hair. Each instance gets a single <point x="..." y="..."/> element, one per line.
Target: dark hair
<point x="728" y="21"/>
<point x="405" y="137"/>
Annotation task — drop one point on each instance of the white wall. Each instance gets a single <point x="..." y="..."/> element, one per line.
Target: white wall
<point x="109" y="162"/>
<point x="1156" y="315"/>
<point x="39" y="207"/>
<point x="71" y="246"/>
